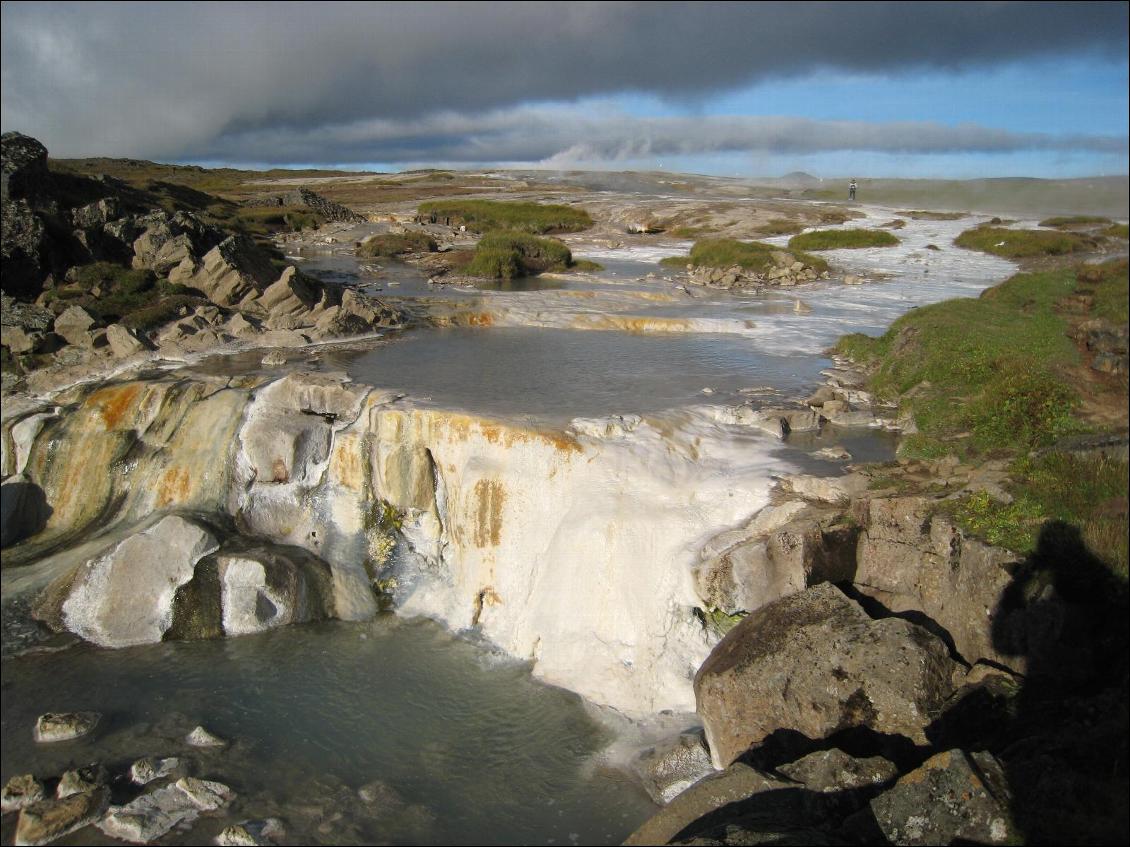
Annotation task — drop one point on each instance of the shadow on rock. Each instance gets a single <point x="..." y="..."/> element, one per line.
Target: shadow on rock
<point x="23" y="510"/>
<point x="1060" y="731"/>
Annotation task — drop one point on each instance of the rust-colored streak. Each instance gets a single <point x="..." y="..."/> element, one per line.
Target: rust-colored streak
<point x="112" y="403"/>
<point x="489" y="498"/>
<point x="173" y="488"/>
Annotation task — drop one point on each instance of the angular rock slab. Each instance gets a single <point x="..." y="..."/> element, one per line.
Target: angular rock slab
<point x="125" y="597"/>
<point x="814" y="663"/>
<point x="954" y="798"/>
<point x="834" y="770"/>
<point x="152" y="815"/>
<point x="20" y="791"/>
<point x="78" y="780"/>
<point x="669" y="769"/>
<point x="251" y="833"/>
<point x="48" y="820"/>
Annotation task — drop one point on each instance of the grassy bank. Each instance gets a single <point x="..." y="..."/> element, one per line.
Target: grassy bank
<point x="1023" y="243"/>
<point x="486" y="215"/>
<point x="837" y="239"/>
<point x="1075" y="220"/>
<point x="998" y="376"/>
<point x="727" y="253"/>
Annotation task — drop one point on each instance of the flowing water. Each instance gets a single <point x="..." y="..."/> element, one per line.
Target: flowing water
<point x="477" y="748"/>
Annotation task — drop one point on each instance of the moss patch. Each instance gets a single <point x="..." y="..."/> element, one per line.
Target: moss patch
<point x="1070" y="221"/>
<point x="397" y="244"/>
<point x="486" y="215"/>
<point x="507" y="254"/>
<point x="835" y="239"/>
<point x="1023" y="243"/>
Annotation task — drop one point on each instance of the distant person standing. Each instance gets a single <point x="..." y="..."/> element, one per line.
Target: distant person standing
<point x="851" y="190"/>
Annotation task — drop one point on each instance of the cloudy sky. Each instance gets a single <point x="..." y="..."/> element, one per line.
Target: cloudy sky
<point x="866" y="89"/>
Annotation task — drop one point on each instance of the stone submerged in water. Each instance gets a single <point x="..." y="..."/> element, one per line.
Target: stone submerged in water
<point x="152" y="815"/>
<point x="815" y="663"/>
<point x="20" y="791"/>
<point x="150" y="769"/>
<point x="82" y="779"/>
<point x="48" y="820"/>
<point x="251" y="833"/>
<point x="64" y="726"/>
<point x="200" y="737"/>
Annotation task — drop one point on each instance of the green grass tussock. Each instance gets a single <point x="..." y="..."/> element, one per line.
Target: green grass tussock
<point x="1117" y="231"/>
<point x="505" y="254"/>
<point x="1022" y="243"/>
<point x="751" y="255"/>
<point x="486" y="215"/>
<point x="1106" y="285"/>
<point x="1075" y="220"/>
<point x="397" y="244"/>
<point x="780" y="226"/>
<point x="835" y="239"/>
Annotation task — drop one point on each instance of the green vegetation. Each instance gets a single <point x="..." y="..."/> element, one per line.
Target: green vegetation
<point x="780" y="226"/>
<point x="1022" y="243"/>
<point x="1087" y="492"/>
<point x="586" y="265"/>
<point x="835" y="239"/>
<point x="397" y="244"/>
<point x="1075" y="220"/>
<point x="1117" y="231"/>
<point x="691" y="231"/>
<point x="1106" y="285"/>
<point x="113" y="293"/>
<point x="485" y="215"/>
<point x="506" y="254"/>
<point x="726" y="253"/>
<point x="996" y="388"/>
<point x="833" y="216"/>
<point x="926" y="215"/>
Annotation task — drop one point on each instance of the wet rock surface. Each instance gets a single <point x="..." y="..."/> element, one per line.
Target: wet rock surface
<point x="65" y="726"/>
<point x="47" y="820"/>
<point x="671" y="768"/>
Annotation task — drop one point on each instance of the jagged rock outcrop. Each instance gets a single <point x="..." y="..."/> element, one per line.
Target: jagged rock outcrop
<point x="787" y="271"/>
<point x="328" y="209"/>
<point x="23" y="167"/>
<point x="910" y="557"/>
<point x="815" y="663"/>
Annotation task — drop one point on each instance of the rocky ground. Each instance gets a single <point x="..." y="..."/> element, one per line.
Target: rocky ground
<point x="885" y="675"/>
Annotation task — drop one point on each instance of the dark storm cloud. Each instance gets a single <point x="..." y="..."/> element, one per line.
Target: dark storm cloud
<point x="180" y="80"/>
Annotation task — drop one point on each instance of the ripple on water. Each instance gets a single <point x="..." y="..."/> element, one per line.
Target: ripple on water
<point x="486" y="753"/>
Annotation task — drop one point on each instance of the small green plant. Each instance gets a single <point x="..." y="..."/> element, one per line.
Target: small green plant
<point x="836" y="239"/>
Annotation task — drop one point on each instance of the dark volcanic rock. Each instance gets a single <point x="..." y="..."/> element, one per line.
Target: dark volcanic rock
<point x="24" y="165"/>
<point x="814" y="663"/>
<point x="328" y="209"/>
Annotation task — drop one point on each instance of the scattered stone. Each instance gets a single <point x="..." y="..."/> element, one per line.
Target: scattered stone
<point x="814" y="663"/>
<point x="274" y="358"/>
<point x="738" y="782"/>
<point x="150" y="768"/>
<point x="669" y="769"/>
<point x="852" y="279"/>
<point x="200" y="737"/>
<point x="20" y="791"/>
<point x="82" y="779"/>
<point x="834" y="770"/>
<point x="64" y="726"/>
<point x="74" y="325"/>
<point x="380" y="798"/>
<point x="152" y="815"/>
<point x="252" y="833"/>
<point x="825" y="489"/>
<point x="48" y="820"/>
<point x="122" y="342"/>
<point x="833" y="454"/>
<point x="954" y="798"/>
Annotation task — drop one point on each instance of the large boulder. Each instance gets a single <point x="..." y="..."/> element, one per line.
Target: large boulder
<point x="954" y="798"/>
<point x="152" y="815"/>
<point x="125" y="596"/>
<point x="912" y="558"/>
<point x="23" y="168"/>
<point x="815" y="663"/>
<point x="670" y="768"/>
<point x="23" y="248"/>
<point x="51" y="819"/>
